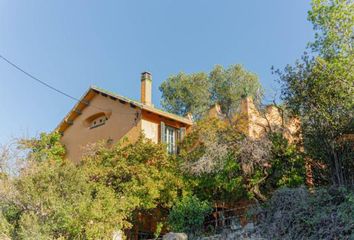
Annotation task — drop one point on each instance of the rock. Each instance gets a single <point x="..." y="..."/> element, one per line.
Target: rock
<point x="249" y="227"/>
<point x="278" y="215"/>
<point x="175" y="236"/>
<point x="235" y="227"/>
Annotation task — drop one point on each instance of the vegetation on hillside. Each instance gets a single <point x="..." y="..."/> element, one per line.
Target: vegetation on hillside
<point x="222" y="164"/>
<point x="320" y="89"/>
<point x="51" y="197"/>
<point x="188" y="215"/>
<point x="326" y="213"/>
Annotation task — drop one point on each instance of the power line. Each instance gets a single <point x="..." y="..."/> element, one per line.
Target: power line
<point x="38" y="80"/>
<point x="48" y="85"/>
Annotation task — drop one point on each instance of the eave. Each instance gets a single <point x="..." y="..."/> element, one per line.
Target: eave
<point x="93" y="91"/>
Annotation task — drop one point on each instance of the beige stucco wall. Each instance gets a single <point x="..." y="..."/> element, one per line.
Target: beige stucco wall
<point x="256" y="123"/>
<point x="151" y="130"/>
<point x="123" y="121"/>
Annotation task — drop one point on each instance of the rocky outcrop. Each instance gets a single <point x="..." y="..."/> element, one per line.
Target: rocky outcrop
<point x="175" y="236"/>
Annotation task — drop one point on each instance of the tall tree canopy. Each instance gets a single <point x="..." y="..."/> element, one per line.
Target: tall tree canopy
<point x="196" y="93"/>
<point x="333" y="21"/>
<point x="230" y="85"/>
<point x="320" y="88"/>
<point x="183" y="93"/>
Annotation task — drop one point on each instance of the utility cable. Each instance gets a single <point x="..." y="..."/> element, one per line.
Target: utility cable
<point x="49" y="86"/>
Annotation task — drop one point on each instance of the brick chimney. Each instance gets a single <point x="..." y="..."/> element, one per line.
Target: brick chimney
<point x="146" y="85"/>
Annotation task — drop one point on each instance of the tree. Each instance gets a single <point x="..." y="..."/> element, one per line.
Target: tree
<point x="54" y="198"/>
<point x="222" y="164"/>
<point x="334" y="21"/>
<point x="141" y="174"/>
<point x="183" y="94"/>
<point x="231" y="85"/>
<point x="196" y="93"/>
<point x="320" y="89"/>
<point x="47" y="146"/>
<point x="208" y="161"/>
<point x="51" y="200"/>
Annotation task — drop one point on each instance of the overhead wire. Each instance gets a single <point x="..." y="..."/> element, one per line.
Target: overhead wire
<point x="51" y="87"/>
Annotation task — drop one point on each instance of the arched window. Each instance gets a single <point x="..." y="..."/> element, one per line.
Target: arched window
<point x="96" y="120"/>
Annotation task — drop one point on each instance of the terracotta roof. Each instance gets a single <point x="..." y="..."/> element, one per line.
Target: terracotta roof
<point x="94" y="90"/>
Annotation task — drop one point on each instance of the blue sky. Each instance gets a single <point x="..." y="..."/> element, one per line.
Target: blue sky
<point x="74" y="44"/>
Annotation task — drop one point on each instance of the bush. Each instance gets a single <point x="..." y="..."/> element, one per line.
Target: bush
<point x="326" y="213"/>
<point x="5" y="227"/>
<point x="49" y="200"/>
<point x="288" y="165"/>
<point x="53" y="198"/>
<point x="188" y="214"/>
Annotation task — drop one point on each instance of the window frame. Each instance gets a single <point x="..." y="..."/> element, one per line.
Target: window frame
<point x="171" y="139"/>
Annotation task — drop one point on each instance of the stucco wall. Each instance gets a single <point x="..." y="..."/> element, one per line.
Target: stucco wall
<point x="151" y="130"/>
<point x="123" y="121"/>
<point x="255" y="124"/>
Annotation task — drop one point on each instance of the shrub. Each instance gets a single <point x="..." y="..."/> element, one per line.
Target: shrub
<point x="5" y="227"/>
<point x="325" y="213"/>
<point x="287" y="163"/>
<point x="52" y="198"/>
<point x="49" y="200"/>
<point x="188" y="214"/>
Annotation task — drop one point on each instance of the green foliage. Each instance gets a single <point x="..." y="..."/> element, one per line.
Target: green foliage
<point x="142" y="174"/>
<point x="208" y="161"/>
<point x="320" y="89"/>
<point x="334" y="22"/>
<point x="30" y="228"/>
<point x="225" y="185"/>
<point x="57" y="199"/>
<point x="183" y="94"/>
<point x="159" y="227"/>
<point x="5" y="227"/>
<point x="196" y="93"/>
<point x="221" y="164"/>
<point x="230" y="85"/>
<point x="47" y="146"/>
<point x="287" y="163"/>
<point x="188" y="214"/>
<point x="324" y="213"/>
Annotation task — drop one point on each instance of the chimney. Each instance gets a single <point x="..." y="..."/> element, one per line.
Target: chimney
<point x="146" y="85"/>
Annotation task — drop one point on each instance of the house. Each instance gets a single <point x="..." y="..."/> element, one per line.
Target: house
<point x="101" y="115"/>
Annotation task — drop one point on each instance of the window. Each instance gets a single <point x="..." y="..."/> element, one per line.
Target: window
<point x="170" y="139"/>
<point x="99" y="121"/>
<point x="96" y="120"/>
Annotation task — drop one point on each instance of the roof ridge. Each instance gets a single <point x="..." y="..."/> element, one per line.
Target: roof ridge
<point x="139" y="104"/>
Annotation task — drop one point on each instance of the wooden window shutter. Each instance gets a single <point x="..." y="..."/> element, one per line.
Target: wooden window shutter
<point x="162" y="130"/>
<point x="182" y="133"/>
<point x="178" y="135"/>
